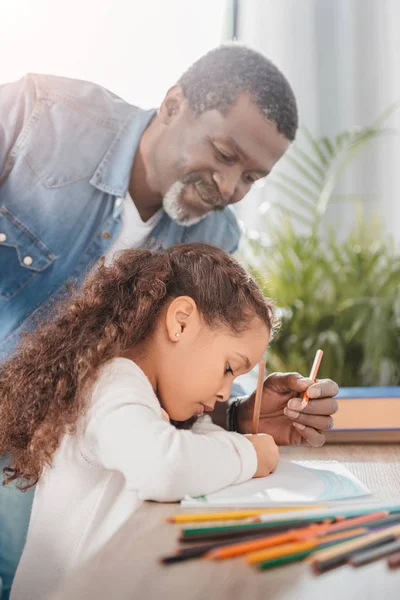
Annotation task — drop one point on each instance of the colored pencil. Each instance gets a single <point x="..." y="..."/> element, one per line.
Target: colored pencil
<point x="286" y="549"/>
<point x="371" y="522"/>
<point x="257" y="401"/>
<point x="333" y="511"/>
<point x="282" y="560"/>
<point x="229" y="534"/>
<point x="358" y="559"/>
<point x="327" y="559"/>
<point x="336" y="561"/>
<point x="198" y="551"/>
<point x="313" y="375"/>
<point x="346" y="524"/>
<point x="271" y="522"/>
<point x="233" y="514"/>
<point x="184" y="554"/>
<point x="394" y="561"/>
<point x="353" y="546"/>
<point x="220" y="532"/>
<point x="299" y="535"/>
<point x="252" y="545"/>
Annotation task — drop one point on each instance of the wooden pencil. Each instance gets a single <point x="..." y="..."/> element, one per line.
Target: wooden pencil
<point x="356" y="545"/>
<point x="273" y="541"/>
<point x="340" y="559"/>
<point x="297" y="556"/>
<point x="204" y="533"/>
<point x="363" y="557"/>
<point x="324" y="560"/>
<point x="183" y="554"/>
<point x="313" y="374"/>
<point x="258" y="398"/>
<point x="229" y="534"/>
<point x="232" y="515"/>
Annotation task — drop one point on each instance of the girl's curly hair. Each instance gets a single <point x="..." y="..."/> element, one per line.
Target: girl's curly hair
<point x="44" y="386"/>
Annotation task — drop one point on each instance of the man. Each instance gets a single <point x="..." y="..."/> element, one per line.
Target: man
<point x="84" y="174"/>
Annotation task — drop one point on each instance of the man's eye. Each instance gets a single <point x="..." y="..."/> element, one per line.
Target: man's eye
<point x="224" y="157"/>
<point x="250" y="179"/>
<point x="228" y="368"/>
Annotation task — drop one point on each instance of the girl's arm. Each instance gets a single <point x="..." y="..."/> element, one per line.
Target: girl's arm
<point x="125" y="432"/>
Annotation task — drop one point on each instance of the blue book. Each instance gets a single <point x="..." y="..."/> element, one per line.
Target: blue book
<point x="369" y="392"/>
<point x="367" y="414"/>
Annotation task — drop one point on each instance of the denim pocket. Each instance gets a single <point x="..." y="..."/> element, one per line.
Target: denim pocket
<point x="22" y="254"/>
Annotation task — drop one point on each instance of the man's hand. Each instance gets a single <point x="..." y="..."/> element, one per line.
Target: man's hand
<point x="281" y="415"/>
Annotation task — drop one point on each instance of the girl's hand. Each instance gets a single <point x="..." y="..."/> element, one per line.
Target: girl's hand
<point x="267" y="453"/>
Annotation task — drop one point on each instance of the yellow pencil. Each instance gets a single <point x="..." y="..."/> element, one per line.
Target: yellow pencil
<point x="233" y="514"/>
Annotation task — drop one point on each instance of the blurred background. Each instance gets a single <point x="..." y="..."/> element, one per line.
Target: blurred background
<point x="323" y="235"/>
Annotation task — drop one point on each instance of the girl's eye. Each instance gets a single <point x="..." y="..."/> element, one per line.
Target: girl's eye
<point x="228" y="368"/>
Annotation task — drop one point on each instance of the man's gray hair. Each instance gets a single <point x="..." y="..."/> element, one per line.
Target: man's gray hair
<point x="216" y="80"/>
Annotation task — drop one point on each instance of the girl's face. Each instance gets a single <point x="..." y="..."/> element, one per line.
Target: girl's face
<point x="196" y="368"/>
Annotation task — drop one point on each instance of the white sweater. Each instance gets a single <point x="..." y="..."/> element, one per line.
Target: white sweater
<point x="125" y="452"/>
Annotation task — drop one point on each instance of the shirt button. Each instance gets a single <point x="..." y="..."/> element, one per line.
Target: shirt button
<point x="106" y="235"/>
<point x="28" y="260"/>
<point x="3" y="237"/>
<point x="118" y="202"/>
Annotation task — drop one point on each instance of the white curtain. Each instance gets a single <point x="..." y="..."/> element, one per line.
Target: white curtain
<point x="342" y="58"/>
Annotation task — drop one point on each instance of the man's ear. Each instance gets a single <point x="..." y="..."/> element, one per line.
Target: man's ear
<point x="172" y="105"/>
<point x="181" y="316"/>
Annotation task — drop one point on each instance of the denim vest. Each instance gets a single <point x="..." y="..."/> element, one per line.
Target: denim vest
<point x="66" y="154"/>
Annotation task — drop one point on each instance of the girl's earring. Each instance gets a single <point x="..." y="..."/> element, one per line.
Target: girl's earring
<point x="177" y="335"/>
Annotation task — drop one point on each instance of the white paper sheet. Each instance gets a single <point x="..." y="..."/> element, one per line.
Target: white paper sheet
<point x="293" y="483"/>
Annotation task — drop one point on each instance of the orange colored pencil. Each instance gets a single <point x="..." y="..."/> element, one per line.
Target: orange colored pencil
<point x="257" y="402"/>
<point x="286" y="549"/>
<point x="259" y="544"/>
<point x="313" y="375"/>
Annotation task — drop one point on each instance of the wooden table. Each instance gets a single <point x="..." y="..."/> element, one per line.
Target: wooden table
<point x="128" y="567"/>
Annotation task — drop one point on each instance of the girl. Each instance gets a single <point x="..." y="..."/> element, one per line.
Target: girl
<point x="100" y="406"/>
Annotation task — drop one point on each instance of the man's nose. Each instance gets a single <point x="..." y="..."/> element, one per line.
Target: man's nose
<point x="227" y="183"/>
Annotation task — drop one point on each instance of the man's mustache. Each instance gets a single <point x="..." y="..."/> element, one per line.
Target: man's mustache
<point x="206" y="191"/>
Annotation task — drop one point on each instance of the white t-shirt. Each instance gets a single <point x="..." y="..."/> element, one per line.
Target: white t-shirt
<point x="125" y="452"/>
<point x="134" y="231"/>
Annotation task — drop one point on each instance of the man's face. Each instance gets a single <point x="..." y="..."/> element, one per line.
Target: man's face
<point x="207" y="162"/>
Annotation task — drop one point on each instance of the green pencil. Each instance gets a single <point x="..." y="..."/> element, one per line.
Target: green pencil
<point x="283" y="560"/>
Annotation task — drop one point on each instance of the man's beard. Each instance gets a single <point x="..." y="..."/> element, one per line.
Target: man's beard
<point x="178" y="211"/>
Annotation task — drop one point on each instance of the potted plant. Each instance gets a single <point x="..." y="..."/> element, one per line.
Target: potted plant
<point x="338" y="293"/>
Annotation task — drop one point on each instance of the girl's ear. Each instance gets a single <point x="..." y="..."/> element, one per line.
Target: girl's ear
<point x="182" y="315"/>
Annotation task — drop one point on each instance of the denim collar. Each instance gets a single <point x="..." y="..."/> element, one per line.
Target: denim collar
<point x="113" y="173"/>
